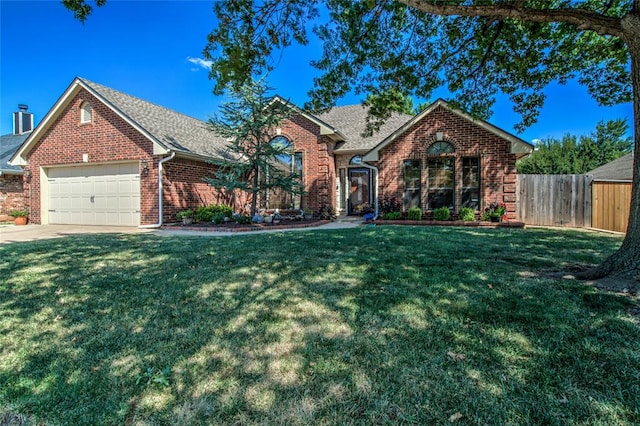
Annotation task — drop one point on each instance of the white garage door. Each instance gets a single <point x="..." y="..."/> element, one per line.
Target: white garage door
<point x="107" y="194"/>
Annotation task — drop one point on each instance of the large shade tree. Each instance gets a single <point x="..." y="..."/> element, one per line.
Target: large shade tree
<point x="476" y="48"/>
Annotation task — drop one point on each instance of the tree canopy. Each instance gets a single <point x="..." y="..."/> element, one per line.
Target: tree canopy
<point x="406" y="47"/>
<point x="579" y="155"/>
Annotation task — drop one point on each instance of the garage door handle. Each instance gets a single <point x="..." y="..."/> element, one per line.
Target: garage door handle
<point x="93" y="198"/>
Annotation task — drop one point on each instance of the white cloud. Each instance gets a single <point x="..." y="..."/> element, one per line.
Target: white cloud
<point x="199" y="62"/>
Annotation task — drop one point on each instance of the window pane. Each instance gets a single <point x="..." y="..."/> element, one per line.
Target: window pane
<point x="471" y="183"/>
<point x="356" y="160"/>
<point x="440" y="182"/>
<point x="411" y="196"/>
<point x="411" y="174"/>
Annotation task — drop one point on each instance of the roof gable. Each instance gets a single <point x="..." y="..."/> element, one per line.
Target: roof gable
<point x="168" y="130"/>
<point x="518" y="146"/>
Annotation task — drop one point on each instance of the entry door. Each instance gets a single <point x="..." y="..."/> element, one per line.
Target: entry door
<point x="107" y="194"/>
<point x="359" y="190"/>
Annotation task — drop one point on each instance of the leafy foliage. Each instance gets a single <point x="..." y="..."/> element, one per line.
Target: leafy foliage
<point x="388" y="49"/>
<point x="572" y="155"/>
<point x="442" y="213"/>
<point x="391" y="216"/>
<point x="81" y="8"/>
<point x="388" y="204"/>
<point x="467" y="214"/>
<point x="414" y="213"/>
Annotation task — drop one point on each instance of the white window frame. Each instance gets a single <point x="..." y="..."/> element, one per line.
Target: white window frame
<point x="86" y="113"/>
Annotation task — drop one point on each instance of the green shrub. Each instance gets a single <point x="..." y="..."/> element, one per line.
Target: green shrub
<point x="391" y="216"/>
<point x="227" y="211"/>
<point x="203" y="214"/>
<point x="243" y="219"/>
<point x="184" y="214"/>
<point x="218" y="218"/>
<point x="206" y="213"/>
<point x="467" y="214"/>
<point x="415" y="213"/>
<point x="442" y="213"/>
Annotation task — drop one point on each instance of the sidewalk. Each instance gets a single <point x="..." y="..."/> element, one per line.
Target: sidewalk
<point x="12" y="233"/>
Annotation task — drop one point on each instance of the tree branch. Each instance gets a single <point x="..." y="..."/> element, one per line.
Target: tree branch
<point x="582" y="19"/>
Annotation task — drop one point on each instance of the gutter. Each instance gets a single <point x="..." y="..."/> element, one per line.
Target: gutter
<point x="160" y="193"/>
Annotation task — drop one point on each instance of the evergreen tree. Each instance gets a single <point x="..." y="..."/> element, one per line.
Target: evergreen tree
<point x="250" y="162"/>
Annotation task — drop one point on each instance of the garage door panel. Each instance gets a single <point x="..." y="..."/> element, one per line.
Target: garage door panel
<point x="95" y="195"/>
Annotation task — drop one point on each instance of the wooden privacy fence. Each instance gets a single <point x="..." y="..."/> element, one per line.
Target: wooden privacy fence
<point x="611" y="204"/>
<point x="554" y="200"/>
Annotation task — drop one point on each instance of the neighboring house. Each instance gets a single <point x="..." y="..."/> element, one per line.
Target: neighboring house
<point x="104" y="157"/>
<point x="11" y="177"/>
<point x="611" y="194"/>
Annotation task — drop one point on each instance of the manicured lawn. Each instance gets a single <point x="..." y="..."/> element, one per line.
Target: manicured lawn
<point x="374" y="325"/>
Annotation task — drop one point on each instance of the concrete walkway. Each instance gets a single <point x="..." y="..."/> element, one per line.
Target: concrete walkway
<point x="12" y="234"/>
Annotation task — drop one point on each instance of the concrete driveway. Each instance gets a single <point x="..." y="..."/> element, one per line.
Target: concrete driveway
<point x="12" y="234"/>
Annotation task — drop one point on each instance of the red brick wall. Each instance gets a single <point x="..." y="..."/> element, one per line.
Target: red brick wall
<point x="318" y="168"/>
<point x="11" y="195"/>
<point x="108" y="138"/>
<point x="497" y="174"/>
<point x="184" y="188"/>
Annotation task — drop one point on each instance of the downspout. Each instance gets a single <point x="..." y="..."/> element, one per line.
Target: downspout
<point x="160" y="192"/>
<point x="375" y="190"/>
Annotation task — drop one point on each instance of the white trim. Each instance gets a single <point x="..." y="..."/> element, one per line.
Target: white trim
<point x="86" y="113"/>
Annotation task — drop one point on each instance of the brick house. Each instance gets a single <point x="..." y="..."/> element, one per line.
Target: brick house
<point x="101" y="156"/>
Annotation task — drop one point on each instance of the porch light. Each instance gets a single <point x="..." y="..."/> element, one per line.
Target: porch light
<point x="27" y="174"/>
<point x="439" y="136"/>
<point x="145" y="167"/>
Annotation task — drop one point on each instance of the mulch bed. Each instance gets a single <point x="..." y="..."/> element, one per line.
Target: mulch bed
<point x="235" y="227"/>
<point x="483" y="224"/>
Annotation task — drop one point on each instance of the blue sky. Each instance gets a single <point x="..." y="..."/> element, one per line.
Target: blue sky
<point x="153" y="50"/>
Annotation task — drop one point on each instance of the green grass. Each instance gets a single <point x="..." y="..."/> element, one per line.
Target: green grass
<point x="373" y="325"/>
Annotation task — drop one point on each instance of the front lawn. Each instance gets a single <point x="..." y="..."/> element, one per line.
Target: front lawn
<point x="373" y="325"/>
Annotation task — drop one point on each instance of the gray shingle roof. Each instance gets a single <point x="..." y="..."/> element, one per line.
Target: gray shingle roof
<point x="9" y="144"/>
<point x="351" y="120"/>
<point x="175" y="131"/>
<point x="619" y="169"/>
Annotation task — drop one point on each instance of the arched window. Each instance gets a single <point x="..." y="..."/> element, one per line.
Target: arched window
<point x="356" y="160"/>
<point x="286" y="162"/>
<point x="86" y="113"/>
<point x="440" y="147"/>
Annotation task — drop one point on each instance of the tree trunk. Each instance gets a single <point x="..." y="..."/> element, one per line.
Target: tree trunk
<point x="254" y="192"/>
<point x="626" y="261"/>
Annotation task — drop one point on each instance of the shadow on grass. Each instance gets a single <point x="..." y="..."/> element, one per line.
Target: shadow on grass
<point x="371" y="325"/>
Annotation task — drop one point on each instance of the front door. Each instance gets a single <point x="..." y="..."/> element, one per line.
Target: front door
<point x="359" y="191"/>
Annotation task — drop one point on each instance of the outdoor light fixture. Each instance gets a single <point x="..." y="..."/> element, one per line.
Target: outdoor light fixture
<point x="145" y="167"/>
<point x="27" y="174"/>
<point x="439" y="136"/>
